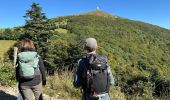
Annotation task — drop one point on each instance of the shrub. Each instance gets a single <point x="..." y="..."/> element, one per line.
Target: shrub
<point x="7" y="73"/>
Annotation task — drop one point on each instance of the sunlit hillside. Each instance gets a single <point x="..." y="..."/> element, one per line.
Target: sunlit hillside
<point x="4" y="47"/>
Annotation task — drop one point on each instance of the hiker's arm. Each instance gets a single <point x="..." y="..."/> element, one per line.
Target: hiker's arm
<point x="78" y="75"/>
<point x="42" y="70"/>
<point x="111" y="79"/>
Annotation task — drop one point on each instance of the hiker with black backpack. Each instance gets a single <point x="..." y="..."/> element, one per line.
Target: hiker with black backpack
<point x="93" y="74"/>
<point x="30" y="72"/>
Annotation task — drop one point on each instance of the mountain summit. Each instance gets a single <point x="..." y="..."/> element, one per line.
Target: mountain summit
<point x="99" y="13"/>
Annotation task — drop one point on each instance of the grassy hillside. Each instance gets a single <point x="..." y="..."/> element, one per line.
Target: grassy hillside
<point x="139" y="53"/>
<point x="5" y="45"/>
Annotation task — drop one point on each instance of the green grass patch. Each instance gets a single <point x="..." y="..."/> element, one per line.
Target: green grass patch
<point x="7" y="74"/>
<point x="60" y="30"/>
<point x="5" y="45"/>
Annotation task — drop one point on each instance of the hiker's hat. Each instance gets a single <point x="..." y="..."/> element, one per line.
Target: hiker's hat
<point x="91" y="43"/>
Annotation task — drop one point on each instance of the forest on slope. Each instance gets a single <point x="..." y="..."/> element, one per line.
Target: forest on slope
<point x="138" y="52"/>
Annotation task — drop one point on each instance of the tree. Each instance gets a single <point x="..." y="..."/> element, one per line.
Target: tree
<point x="7" y="34"/>
<point x="38" y="28"/>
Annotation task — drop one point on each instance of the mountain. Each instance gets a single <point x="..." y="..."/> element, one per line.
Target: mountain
<point x="138" y="52"/>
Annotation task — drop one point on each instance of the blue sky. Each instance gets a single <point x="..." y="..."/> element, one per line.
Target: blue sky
<point x="156" y="12"/>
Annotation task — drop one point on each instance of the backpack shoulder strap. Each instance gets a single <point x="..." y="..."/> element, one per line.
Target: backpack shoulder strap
<point x="87" y="61"/>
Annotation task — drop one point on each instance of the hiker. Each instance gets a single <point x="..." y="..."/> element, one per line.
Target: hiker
<point x="30" y="72"/>
<point x="93" y="74"/>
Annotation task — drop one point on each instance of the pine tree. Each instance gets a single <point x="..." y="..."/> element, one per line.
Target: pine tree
<point x="38" y="28"/>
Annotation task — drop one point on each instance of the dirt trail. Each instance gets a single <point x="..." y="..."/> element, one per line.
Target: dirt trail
<point x="11" y="93"/>
<point x="7" y="93"/>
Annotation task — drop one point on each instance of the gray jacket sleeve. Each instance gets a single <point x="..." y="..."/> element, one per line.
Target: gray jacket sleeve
<point x="111" y="78"/>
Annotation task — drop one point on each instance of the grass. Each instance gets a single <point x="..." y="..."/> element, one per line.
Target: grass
<point x="7" y="71"/>
<point x="60" y="30"/>
<point x="61" y="86"/>
<point x="5" y="45"/>
<point x="7" y="74"/>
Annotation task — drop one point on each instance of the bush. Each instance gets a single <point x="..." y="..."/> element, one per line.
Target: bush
<point x="7" y="73"/>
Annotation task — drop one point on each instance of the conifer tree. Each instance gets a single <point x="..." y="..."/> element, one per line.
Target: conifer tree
<point x="38" y="28"/>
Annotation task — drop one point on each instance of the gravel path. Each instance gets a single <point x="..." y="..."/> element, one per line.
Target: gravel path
<point x="11" y="93"/>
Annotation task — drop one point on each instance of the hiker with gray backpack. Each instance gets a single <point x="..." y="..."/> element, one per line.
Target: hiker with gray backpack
<point x="30" y="72"/>
<point x="93" y="74"/>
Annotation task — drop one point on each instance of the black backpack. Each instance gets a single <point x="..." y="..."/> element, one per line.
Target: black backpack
<point x="96" y="74"/>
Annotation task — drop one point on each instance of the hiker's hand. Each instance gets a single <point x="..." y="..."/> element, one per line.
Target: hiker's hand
<point x="44" y="82"/>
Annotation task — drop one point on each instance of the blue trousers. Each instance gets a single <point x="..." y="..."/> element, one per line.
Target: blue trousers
<point x="101" y="97"/>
